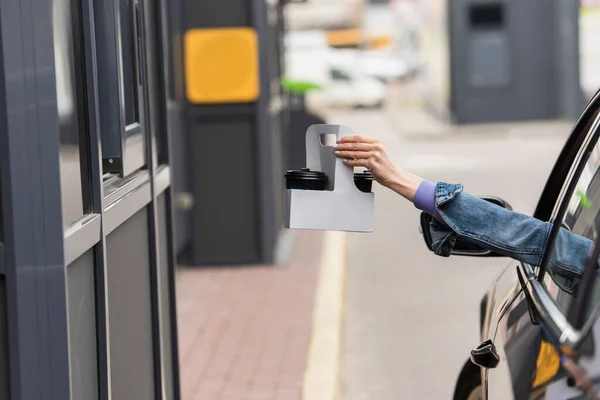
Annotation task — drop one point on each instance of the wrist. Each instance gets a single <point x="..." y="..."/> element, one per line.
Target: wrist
<point x="405" y="184"/>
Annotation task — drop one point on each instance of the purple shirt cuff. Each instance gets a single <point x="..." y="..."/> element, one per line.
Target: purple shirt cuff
<point x="425" y="200"/>
<point x="425" y="197"/>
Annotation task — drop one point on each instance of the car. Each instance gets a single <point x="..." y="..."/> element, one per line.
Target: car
<point x="540" y="330"/>
<point x="346" y="88"/>
<point x="310" y="49"/>
<point x="341" y="84"/>
<point x="385" y="66"/>
<point x="323" y="14"/>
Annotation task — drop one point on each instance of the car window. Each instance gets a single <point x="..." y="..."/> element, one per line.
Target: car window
<point x="569" y="251"/>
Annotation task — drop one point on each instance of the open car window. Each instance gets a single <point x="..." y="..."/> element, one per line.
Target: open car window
<point x="575" y="229"/>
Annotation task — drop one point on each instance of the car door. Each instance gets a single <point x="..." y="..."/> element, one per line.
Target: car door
<point x="527" y="350"/>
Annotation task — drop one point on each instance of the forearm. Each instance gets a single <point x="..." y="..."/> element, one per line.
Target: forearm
<point x="419" y="191"/>
<point x="404" y="183"/>
<point x="506" y="232"/>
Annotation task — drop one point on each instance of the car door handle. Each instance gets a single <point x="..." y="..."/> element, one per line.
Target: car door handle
<point x="485" y="355"/>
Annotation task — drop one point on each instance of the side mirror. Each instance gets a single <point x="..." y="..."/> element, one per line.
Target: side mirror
<point x="462" y="247"/>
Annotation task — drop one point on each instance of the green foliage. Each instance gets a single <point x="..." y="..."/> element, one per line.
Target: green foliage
<point x="298" y="87"/>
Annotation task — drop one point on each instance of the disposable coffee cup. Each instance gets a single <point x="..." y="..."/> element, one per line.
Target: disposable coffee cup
<point x="363" y="181"/>
<point x="305" y="179"/>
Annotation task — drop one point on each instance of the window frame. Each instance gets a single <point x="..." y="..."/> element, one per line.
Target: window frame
<point x="568" y="187"/>
<point x="81" y="110"/>
<point x="123" y="145"/>
<point x="567" y="327"/>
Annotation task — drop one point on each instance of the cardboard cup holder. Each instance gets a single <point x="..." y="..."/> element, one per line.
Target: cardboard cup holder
<point x="327" y="194"/>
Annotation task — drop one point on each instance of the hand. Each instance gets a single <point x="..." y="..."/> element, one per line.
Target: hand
<point x="362" y="151"/>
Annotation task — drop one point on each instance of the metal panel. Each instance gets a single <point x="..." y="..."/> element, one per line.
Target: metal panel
<point x="268" y="227"/>
<point x="82" y="236"/>
<point x="181" y="179"/>
<point x="571" y="98"/>
<point x="119" y="211"/>
<point x="130" y="314"/>
<point x="171" y="88"/>
<point x="214" y="14"/>
<point x="503" y="60"/>
<point x="162" y="179"/>
<point x="225" y="237"/>
<point x="123" y="148"/>
<point x="29" y="154"/>
<point x="165" y="308"/>
<point x="82" y="328"/>
<point x="4" y="379"/>
<point x="108" y="90"/>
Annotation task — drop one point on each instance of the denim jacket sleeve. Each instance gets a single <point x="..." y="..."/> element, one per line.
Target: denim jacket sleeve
<point x="506" y="232"/>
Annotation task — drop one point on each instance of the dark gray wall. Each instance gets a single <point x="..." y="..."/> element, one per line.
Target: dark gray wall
<point x="571" y="99"/>
<point x="277" y="144"/>
<point x="165" y="307"/>
<point x="181" y="179"/>
<point x="234" y="153"/>
<point x="222" y="13"/>
<point x="3" y="343"/>
<point x="82" y="327"/>
<point x="535" y="80"/>
<point x="225" y="212"/>
<point x="130" y="314"/>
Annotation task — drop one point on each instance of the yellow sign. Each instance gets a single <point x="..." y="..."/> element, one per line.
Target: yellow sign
<point x="221" y="65"/>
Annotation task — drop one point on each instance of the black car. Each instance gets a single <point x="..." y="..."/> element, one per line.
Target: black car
<point x="540" y="332"/>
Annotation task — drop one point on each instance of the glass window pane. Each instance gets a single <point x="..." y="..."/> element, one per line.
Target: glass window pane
<point x="570" y="250"/>
<point x="82" y="327"/>
<point x="71" y="109"/>
<point x="129" y="50"/>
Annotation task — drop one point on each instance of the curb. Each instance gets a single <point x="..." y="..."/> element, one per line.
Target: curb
<point x="322" y="374"/>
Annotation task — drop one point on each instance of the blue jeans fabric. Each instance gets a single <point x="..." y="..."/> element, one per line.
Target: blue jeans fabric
<point x="506" y="232"/>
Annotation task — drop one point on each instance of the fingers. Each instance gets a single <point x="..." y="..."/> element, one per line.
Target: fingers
<point x="353" y="150"/>
<point x="353" y="155"/>
<point x="357" y="139"/>
<point x="359" y="162"/>
<point x="355" y="146"/>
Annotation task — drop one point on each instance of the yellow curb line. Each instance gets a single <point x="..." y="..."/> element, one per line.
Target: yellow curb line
<point x="322" y="374"/>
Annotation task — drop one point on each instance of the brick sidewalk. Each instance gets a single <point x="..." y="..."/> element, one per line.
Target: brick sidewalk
<point x="244" y="332"/>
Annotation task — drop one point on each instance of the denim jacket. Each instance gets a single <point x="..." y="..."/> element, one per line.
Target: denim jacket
<point x="515" y="235"/>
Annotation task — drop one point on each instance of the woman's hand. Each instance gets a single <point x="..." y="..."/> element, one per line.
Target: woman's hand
<point x="361" y="151"/>
<point x="368" y="152"/>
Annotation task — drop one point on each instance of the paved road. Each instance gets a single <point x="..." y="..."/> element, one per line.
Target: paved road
<point x="411" y="317"/>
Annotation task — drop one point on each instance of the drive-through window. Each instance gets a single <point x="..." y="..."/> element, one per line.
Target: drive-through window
<point x="122" y="85"/>
<point x="71" y="105"/>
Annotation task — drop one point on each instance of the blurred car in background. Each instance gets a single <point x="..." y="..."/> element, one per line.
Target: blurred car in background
<point x="348" y="89"/>
<point x="324" y="14"/>
<point x="386" y="66"/>
<point x="342" y="82"/>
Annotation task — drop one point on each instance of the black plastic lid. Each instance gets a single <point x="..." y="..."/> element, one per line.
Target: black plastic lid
<point x="365" y="175"/>
<point x="305" y="174"/>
